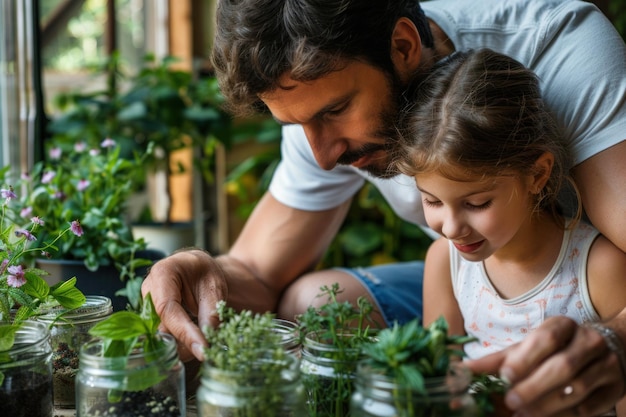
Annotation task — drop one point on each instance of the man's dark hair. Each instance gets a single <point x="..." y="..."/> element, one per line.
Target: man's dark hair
<point x="257" y="41"/>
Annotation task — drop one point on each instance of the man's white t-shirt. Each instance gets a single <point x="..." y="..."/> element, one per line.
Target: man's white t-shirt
<point x="578" y="56"/>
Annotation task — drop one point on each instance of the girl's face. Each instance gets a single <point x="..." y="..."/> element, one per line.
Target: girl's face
<point x="480" y="216"/>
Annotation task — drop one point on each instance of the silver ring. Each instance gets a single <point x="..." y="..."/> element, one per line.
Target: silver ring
<point x="568" y="390"/>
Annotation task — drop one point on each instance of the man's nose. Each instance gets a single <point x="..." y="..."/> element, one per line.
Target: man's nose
<point x="326" y="146"/>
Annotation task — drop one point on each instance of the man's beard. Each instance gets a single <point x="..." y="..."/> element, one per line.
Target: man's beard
<point x="389" y="119"/>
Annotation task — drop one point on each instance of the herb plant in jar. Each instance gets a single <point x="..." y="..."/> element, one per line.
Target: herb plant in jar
<point x="130" y="369"/>
<point x="411" y="371"/>
<point x="25" y="351"/>
<point x="331" y="348"/>
<point x="248" y="372"/>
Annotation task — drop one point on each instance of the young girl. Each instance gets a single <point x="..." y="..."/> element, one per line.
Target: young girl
<point x="487" y="159"/>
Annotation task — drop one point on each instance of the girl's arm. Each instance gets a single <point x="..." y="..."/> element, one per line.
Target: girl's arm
<point x="438" y="295"/>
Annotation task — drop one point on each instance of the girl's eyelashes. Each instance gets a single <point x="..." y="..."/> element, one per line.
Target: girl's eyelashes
<point x="432" y="203"/>
<point x="482" y="206"/>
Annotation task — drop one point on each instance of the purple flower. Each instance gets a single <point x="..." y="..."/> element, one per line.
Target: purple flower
<point x="107" y="143"/>
<point x="25" y="176"/>
<point x="26" y="212"/>
<point x="59" y="195"/>
<point x="47" y="177"/>
<point x="8" y="194"/>
<point x="80" y="147"/>
<point x="37" y="220"/>
<point x="94" y="152"/>
<point x="76" y="228"/>
<point x="82" y="185"/>
<point x="55" y="153"/>
<point x="3" y="265"/>
<point x="28" y="235"/>
<point x="16" y="276"/>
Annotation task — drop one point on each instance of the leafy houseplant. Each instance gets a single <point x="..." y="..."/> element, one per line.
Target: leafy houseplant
<point x="168" y="110"/>
<point x="92" y="186"/>
<point x="333" y="336"/>
<point x="23" y="291"/>
<point x="248" y="372"/>
<point x="89" y="184"/>
<point x="25" y="351"/>
<point x="130" y="368"/>
<point x="412" y="370"/>
<point x="156" y="112"/>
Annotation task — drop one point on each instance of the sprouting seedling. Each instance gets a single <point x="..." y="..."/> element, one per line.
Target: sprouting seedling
<point x="125" y="332"/>
<point x="334" y="319"/>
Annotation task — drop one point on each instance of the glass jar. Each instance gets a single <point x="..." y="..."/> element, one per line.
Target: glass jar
<point x="26" y="373"/>
<point x="68" y="333"/>
<point x="273" y="389"/>
<point x="142" y="384"/>
<point x="328" y="373"/>
<point x="378" y="395"/>
<point x="288" y="331"/>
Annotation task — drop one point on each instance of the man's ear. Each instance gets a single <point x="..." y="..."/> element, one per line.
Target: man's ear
<point x="406" y="48"/>
<point x="542" y="171"/>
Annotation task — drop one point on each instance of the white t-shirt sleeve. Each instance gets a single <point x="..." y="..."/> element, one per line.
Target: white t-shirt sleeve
<point x="299" y="182"/>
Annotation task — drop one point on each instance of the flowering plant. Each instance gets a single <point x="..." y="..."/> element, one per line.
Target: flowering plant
<point x="91" y="186"/>
<point x="23" y="291"/>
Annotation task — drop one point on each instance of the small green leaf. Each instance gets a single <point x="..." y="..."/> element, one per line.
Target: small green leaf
<point x="7" y="336"/>
<point x="67" y="294"/>
<point x="35" y="286"/>
<point x="120" y="325"/>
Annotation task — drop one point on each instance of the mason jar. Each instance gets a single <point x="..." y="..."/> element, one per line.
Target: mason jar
<point x="328" y="373"/>
<point x="144" y="383"/>
<point x="288" y="332"/>
<point x="67" y="334"/>
<point x="263" y="391"/>
<point x="378" y="395"/>
<point x="26" y="373"/>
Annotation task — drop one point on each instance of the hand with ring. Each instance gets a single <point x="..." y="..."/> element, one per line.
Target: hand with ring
<point x="561" y="369"/>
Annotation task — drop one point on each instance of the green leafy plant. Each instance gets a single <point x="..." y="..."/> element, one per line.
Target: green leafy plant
<point x="412" y="358"/>
<point x="246" y="354"/>
<point x="155" y="112"/>
<point x="411" y="353"/>
<point x="333" y="336"/>
<point x="23" y="291"/>
<point x="126" y="332"/>
<point x="91" y="185"/>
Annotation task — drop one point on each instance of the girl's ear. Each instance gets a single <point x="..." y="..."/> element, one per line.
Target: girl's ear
<point x="543" y="169"/>
<point x="406" y="48"/>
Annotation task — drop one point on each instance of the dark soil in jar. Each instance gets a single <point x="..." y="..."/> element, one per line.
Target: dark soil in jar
<point x="142" y="403"/>
<point x="26" y="394"/>
<point x="65" y="367"/>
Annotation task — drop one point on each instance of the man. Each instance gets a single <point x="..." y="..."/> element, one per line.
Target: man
<point x="336" y="74"/>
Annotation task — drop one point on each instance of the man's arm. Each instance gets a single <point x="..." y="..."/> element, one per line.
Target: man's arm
<point x="277" y="245"/>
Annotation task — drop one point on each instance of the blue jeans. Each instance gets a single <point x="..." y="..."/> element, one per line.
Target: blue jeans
<point x="396" y="288"/>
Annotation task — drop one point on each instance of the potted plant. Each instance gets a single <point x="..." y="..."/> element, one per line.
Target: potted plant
<point x="333" y="336"/>
<point x="412" y="370"/>
<point x="130" y="369"/>
<point x="157" y="112"/>
<point x="92" y="186"/>
<point x="249" y="370"/>
<point x="25" y="350"/>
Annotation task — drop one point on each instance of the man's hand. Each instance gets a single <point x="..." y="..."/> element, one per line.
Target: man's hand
<point x="560" y="369"/>
<point x="185" y="288"/>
